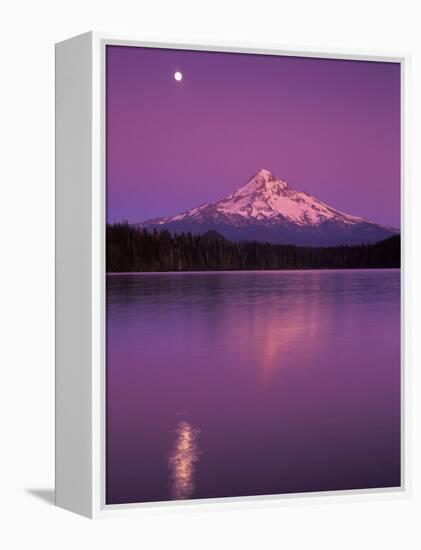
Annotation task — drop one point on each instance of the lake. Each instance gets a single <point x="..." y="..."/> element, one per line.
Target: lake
<point x="251" y="383"/>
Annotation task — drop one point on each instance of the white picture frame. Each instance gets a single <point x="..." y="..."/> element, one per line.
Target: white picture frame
<point x="80" y="272"/>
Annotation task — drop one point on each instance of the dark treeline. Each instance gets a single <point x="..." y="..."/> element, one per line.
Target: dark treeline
<point x="131" y="249"/>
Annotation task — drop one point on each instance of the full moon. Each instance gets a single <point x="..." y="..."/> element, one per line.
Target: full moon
<point x="178" y="76"/>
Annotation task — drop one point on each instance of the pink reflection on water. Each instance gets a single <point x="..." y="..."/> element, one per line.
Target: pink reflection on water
<point x="272" y="333"/>
<point x="182" y="460"/>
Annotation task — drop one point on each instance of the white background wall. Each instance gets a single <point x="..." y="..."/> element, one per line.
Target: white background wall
<point x="28" y="32"/>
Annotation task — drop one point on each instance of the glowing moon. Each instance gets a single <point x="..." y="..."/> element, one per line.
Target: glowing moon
<point x="178" y="76"/>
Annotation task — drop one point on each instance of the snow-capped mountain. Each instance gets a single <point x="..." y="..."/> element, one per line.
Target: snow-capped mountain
<point x="268" y="209"/>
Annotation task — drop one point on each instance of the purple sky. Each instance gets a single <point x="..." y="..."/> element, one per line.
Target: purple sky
<point x="328" y="127"/>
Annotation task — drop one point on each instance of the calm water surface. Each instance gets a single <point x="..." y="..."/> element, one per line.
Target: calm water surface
<point x="250" y="383"/>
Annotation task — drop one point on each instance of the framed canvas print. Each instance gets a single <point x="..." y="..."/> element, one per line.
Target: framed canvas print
<point x="229" y="312"/>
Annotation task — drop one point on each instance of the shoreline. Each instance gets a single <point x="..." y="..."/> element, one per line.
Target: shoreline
<point x="245" y="271"/>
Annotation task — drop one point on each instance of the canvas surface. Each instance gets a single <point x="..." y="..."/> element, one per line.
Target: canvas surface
<point x="253" y="281"/>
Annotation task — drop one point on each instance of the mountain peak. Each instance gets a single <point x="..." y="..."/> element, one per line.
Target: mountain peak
<point x="263" y="173"/>
<point x="268" y="208"/>
<point x="263" y="176"/>
<point x="264" y="181"/>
